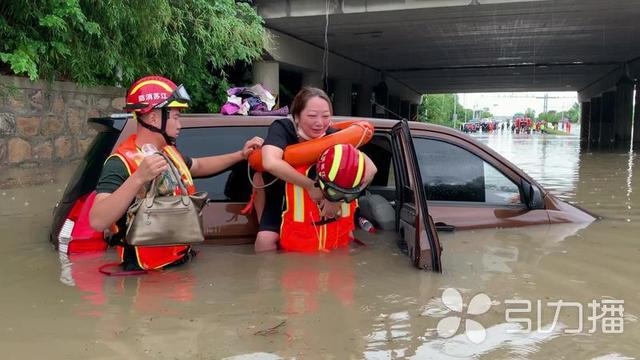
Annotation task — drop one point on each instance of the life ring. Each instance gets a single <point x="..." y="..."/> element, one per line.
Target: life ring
<point x="354" y="132"/>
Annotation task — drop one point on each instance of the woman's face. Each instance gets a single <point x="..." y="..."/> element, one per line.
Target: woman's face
<point x="315" y="118"/>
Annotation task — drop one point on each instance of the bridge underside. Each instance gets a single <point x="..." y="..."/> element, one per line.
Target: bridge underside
<point x="484" y="45"/>
<point x="472" y="45"/>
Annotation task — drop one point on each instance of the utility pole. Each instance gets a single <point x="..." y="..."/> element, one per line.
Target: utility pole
<point x="455" y="114"/>
<point x="464" y="98"/>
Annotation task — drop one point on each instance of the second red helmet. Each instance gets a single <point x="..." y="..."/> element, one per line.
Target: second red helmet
<point x="342" y="166"/>
<point x="150" y="91"/>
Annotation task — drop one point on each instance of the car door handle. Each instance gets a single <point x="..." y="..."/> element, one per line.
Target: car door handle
<point x="440" y="226"/>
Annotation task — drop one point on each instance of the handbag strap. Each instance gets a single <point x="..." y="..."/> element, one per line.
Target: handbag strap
<point x="175" y="177"/>
<point x="175" y="173"/>
<point x="153" y="190"/>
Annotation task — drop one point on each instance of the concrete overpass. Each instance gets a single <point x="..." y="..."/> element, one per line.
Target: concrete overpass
<point x="425" y="46"/>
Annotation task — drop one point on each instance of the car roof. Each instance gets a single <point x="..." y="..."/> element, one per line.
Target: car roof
<point x="200" y="120"/>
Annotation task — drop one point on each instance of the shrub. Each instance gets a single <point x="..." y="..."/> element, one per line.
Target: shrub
<point x="110" y="42"/>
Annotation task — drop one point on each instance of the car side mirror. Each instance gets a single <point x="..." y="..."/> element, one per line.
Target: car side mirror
<point x="532" y="195"/>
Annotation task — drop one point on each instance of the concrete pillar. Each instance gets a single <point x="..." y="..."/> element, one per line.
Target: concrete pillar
<point x="623" y="111"/>
<point x="405" y="109"/>
<point x="413" y="112"/>
<point x="364" y="101"/>
<point x="381" y="92"/>
<point x="312" y="78"/>
<point x="342" y="99"/>
<point x="636" y="118"/>
<point x="585" y="122"/>
<point x="607" y="116"/>
<point x="594" y="129"/>
<point x="267" y="73"/>
<point x="393" y="107"/>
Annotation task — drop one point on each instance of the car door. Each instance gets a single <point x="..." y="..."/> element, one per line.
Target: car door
<point x="413" y="221"/>
<point x="222" y="219"/>
<point x="467" y="188"/>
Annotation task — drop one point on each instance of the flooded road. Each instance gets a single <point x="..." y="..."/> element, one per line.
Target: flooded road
<point x="367" y="303"/>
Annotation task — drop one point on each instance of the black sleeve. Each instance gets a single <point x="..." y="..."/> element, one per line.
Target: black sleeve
<point x="332" y="131"/>
<point x="188" y="161"/>
<point x="114" y="173"/>
<point x="281" y="133"/>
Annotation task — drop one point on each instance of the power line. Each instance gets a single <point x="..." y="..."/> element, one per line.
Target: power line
<point x="528" y="96"/>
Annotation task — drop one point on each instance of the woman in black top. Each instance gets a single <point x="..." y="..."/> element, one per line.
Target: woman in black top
<point x="311" y="111"/>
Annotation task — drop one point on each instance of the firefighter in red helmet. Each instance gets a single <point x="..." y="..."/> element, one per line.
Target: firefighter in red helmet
<point x="155" y="102"/>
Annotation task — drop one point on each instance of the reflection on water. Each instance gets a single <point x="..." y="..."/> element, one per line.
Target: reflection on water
<point x="602" y="182"/>
<point x="365" y="303"/>
<point x="498" y="337"/>
<point x="552" y="160"/>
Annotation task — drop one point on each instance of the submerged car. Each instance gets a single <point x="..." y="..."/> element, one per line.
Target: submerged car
<point x="434" y="177"/>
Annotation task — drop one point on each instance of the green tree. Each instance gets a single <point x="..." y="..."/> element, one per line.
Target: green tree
<point x="530" y="113"/>
<point x="467" y="115"/>
<point x="549" y="116"/>
<point x="422" y="109"/>
<point x="113" y="42"/>
<point x="573" y="114"/>
<point x="438" y="109"/>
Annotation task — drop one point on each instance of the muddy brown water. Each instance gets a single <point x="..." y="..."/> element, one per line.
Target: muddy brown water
<point x="365" y="303"/>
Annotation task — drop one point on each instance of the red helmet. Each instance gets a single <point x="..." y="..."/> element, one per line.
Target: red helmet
<point x="340" y="172"/>
<point x="151" y="92"/>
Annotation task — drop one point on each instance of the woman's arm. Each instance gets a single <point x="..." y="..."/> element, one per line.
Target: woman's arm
<point x="330" y="209"/>
<point x="370" y="170"/>
<point x="273" y="162"/>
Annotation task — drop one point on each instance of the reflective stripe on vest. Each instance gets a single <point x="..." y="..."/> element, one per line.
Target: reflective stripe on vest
<point x="298" y="231"/>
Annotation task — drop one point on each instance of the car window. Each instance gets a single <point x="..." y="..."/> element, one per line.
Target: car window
<point x="231" y="185"/>
<point x="379" y="151"/>
<point x="451" y="173"/>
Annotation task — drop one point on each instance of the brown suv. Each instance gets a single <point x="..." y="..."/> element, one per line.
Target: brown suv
<point x="464" y="184"/>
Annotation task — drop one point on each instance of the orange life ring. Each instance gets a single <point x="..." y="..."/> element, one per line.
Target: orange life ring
<point x="352" y="132"/>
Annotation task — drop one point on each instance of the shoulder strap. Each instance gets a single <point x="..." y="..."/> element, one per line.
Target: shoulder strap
<point x="175" y="174"/>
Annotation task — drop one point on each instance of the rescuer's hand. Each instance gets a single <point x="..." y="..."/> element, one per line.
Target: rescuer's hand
<point x="251" y="145"/>
<point x="150" y="167"/>
<point x="315" y="194"/>
<point x="329" y="209"/>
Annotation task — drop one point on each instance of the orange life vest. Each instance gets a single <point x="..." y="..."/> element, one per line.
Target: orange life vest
<point x="154" y="257"/>
<point x="299" y="232"/>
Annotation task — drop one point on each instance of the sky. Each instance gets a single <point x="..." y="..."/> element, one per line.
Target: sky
<point x="509" y="103"/>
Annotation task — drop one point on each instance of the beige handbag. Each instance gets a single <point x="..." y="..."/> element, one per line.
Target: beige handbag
<point x="166" y="220"/>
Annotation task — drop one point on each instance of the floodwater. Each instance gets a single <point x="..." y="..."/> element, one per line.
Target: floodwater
<point x="367" y="303"/>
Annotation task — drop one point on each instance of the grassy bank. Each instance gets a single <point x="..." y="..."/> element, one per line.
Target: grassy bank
<point x="552" y="131"/>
